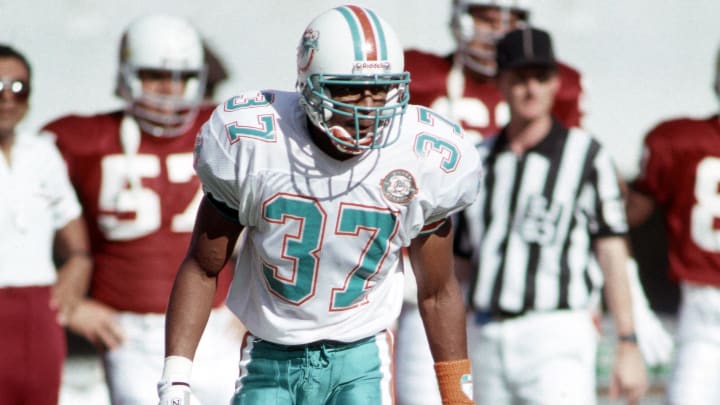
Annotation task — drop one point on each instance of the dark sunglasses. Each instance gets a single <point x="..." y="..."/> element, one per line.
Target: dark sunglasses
<point x="20" y="89"/>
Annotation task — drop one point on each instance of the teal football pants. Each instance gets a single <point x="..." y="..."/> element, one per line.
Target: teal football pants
<point x="325" y="372"/>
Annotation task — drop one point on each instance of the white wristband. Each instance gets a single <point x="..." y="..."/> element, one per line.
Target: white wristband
<point x="177" y="368"/>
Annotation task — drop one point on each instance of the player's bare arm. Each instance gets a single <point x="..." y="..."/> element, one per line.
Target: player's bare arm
<point x="443" y="312"/>
<point x="212" y="244"/>
<point x="439" y="295"/>
<point x="629" y="378"/>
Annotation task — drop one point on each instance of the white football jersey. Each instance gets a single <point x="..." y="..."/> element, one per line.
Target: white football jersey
<point x="322" y="255"/>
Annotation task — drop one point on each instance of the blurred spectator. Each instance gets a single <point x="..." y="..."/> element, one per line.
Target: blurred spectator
<point x="38" y="206"/>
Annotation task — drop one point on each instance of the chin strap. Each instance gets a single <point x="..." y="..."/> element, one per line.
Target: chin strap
<point x="455" y="86"/>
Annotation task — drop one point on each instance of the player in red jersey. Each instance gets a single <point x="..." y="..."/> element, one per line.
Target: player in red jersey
<point x="461" y="84"/>
<point x="133" y="172"/>
<point x="680" y="174"/>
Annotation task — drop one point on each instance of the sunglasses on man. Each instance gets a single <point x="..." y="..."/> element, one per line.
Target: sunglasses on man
<point x="20" y="89"/>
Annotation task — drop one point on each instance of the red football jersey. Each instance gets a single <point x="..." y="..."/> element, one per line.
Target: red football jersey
<point x="681" y="171"/>
<point x="481" y="109"/>
<point x="140" y="207"/>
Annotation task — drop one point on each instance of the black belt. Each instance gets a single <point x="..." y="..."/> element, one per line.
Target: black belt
<point x="316" y="345"/>
<point x="499" y="315"/>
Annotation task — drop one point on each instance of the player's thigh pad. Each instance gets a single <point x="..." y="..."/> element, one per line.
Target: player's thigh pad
<point x="696" y="371"/>
<point x="695" y="376"/>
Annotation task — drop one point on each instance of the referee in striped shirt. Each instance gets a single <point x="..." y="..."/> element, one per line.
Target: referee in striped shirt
<point x="551" y="199"/>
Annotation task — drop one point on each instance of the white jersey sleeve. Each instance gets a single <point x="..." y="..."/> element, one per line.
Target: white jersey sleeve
<point x="451" y="171"/>
<point x="222" y="164"/>
<point x="214" y="166"/>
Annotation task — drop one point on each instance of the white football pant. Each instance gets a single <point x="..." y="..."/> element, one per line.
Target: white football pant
<point x="133" y="369"/>
<point x="695" y="378"/>
<point x="536" y="359"/>
<point x="415" y="380"/>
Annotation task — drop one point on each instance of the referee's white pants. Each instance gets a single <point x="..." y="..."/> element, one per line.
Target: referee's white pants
<point x="134" y="369"/>
<point x="695" y="378"/>
<point x="415" y="380"/>
<point x="541" y="358"/>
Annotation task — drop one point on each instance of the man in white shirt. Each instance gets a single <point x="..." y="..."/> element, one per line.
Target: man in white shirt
<point x="38" y="207"/>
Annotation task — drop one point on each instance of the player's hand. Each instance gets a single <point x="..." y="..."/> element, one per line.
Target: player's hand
<point x="176" y="393"/>
<point x="629" y="379"/>
<point x="96" y="322"/>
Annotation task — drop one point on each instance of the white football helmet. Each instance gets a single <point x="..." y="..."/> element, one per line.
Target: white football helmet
<point x="171" y="47"/>
<point x="481" y="59"/>
<point x="352" y="47"/>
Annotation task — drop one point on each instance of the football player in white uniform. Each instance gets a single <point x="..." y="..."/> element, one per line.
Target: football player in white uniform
<point x="329" y="183"/>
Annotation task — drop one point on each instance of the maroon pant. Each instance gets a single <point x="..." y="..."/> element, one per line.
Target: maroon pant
<point x="32" y="347"/>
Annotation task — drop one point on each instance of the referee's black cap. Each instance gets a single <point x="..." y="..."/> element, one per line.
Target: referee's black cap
<point x="525" y="47"/>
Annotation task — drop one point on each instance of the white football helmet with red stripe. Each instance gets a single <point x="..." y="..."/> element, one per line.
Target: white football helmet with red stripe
<point x="477" y="29"/>
<point x="352" y="47"/>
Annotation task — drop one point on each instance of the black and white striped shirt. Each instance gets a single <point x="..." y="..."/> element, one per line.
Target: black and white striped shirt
<point x="530" y="231"/>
